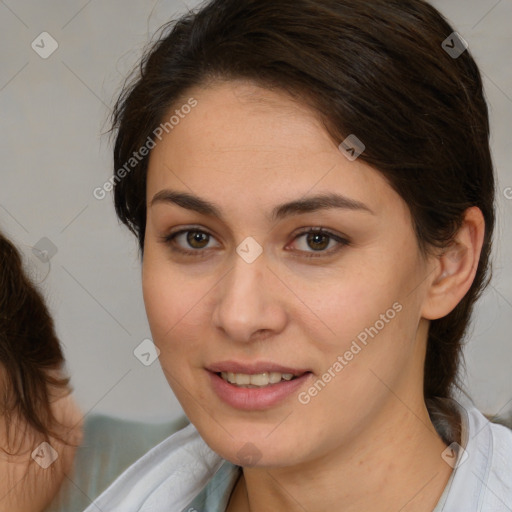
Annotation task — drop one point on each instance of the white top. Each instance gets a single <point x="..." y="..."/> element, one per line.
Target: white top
<point x="183" y="474"/>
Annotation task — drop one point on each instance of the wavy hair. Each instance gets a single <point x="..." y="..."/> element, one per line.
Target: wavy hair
<point x="30" y="352"/>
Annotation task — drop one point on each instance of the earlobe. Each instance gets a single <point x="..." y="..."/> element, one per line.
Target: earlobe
<point x="456" y="267"/>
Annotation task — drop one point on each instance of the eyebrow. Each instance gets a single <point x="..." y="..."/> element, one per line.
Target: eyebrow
<point x="303" y="205"/>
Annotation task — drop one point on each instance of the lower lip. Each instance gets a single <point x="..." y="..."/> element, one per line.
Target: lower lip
<point x="253" y="399"/>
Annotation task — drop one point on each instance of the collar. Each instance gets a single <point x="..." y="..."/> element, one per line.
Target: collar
<point x="182" y="469"/>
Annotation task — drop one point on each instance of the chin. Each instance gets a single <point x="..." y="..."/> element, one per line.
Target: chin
<point x="252" y="449"/>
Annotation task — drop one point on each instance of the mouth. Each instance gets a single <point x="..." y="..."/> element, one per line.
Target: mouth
<point x="256" y="386"/>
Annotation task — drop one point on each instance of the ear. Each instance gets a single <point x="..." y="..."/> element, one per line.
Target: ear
<point x="455" y="267"/>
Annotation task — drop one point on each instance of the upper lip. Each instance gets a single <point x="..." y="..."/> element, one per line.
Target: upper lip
<point x="253" y="368"/>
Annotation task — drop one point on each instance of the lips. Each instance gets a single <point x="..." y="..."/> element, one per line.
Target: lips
<point x="254" y="398"/>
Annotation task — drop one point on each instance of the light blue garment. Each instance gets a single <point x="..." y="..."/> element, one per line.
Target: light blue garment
<point x="482" y="482"/>
<point x="182" y="474"/>
<point x="110" y="446"/>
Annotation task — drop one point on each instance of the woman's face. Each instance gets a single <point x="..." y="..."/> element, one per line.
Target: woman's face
<point x="246" y="291"/>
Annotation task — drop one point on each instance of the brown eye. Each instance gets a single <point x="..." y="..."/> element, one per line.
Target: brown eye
<point x="190" y="242"/>
<point x="317" y="241"/>
<point x="197" y="239"/>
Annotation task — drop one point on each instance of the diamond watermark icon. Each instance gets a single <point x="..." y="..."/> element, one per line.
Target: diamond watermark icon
<point x="454" y="45"/>
<point x="35" y="263"/>
<point x="454" y="455"/>
<point x="249" y="249"/>
<point x="352" y="147"/>
<point x="44" y="45"/>
<point x="45" y="455"/>
<point x="147" y="352"/>
<point x="44" y="250"/>
<point x="248" y="455"/>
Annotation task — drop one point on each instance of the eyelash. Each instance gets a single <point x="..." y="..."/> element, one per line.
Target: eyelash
<point x="200" y="253"/>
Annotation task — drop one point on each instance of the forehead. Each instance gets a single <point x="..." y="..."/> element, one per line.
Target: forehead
<point x="246" y="141"/>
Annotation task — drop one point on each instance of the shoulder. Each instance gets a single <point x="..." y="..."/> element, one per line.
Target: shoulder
<point x="168" y="477"/>
<point x="483" y="478"/>
<point x="114" y="443"/>
<point x="109" y="446"/>
<point x="501" y="451"/>
<point x="495" y="438"/>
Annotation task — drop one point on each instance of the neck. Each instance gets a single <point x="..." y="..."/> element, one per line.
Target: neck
<point x="394" y="465"/>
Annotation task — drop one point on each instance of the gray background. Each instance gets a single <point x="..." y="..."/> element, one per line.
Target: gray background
<point x="53" y="114"/>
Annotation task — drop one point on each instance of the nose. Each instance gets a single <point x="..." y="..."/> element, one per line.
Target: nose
<point x="248" y="306"/>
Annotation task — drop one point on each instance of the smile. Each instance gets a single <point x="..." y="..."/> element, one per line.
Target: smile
<point x="257" y="391"/>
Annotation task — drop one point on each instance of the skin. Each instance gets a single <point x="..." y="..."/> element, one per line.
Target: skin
<point x="365" y="442"/>
<point x="26" y="486"/>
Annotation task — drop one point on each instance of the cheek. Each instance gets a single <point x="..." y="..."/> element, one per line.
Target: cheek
<point x="337" y="307"/>
<point x="161" y="292"/>
<point x="174" y="304"/>
<point x="365" y="314"/>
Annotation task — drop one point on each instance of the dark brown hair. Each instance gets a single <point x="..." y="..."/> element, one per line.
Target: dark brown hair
<point x="374" y="68"/>
<point x="30" y="353"/>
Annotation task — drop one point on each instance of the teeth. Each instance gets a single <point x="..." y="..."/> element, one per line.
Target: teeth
<point x="274" y="377"/>
<point x="241" y="379"/>
<point x="256" y="380"/>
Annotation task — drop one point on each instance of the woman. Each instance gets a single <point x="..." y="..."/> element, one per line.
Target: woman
<point x="312" y="190"/>
<point x="40" y="426"/>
